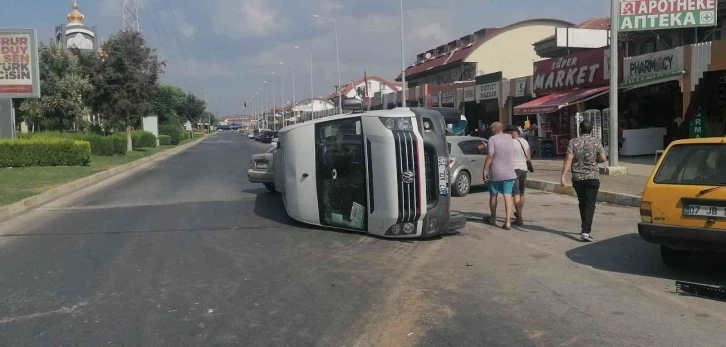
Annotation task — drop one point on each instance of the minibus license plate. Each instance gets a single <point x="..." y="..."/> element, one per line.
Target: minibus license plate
<point x="443" y="176"/>
<point x="261" y="165"/>
<point x="704" y="211"/>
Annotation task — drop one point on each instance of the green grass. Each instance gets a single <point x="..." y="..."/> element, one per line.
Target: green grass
<point x="19" y="183"/>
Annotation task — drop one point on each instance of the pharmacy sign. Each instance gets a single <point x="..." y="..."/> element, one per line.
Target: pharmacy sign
<point x="637" y="15"/>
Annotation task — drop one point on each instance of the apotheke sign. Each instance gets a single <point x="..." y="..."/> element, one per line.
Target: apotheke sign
<point x="636" y="15"/>
<point x="657" y="66"/>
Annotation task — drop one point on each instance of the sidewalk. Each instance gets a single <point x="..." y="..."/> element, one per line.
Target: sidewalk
<point x="619" y="190"/>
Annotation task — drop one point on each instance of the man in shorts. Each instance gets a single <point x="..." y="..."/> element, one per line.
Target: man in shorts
<point x="522" y="154"/>
<point x="499" y="173"/>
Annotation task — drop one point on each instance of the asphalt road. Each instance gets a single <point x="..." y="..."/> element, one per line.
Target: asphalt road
<point x="188" y="253"/>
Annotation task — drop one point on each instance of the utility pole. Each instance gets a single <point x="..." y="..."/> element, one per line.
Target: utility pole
<point x="130" y="16"/>
<point x="613" y="141"/>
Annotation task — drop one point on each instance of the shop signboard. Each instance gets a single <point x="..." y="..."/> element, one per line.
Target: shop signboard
<point x="697" y="128"/>
<point x="653" y="67"/>
<point x="470" y="94"/>
<point x="579" y="70"/>
<point x="488" y="91"/>
<point x="638" y="15"/>
<point x="447" y="97"/>
<point x="19" y="72"/>
<point x="520" y="87"/>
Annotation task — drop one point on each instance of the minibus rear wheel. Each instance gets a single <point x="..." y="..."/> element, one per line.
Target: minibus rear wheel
<point x="270" y="187"/>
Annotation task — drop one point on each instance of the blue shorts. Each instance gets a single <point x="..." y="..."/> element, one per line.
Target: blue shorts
<point x="501" y="187"/>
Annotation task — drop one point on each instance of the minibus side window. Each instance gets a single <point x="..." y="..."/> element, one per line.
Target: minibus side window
<point x="340" y="168"/>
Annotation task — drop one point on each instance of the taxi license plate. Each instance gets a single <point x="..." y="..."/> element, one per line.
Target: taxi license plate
<point x="704" y="211"/>
<point x="261" y="165"/>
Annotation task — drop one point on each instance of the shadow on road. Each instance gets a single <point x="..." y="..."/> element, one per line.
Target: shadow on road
<point x="270" y="206"/>
<point x="629" y="254"/>
<point x="477" y="217"/>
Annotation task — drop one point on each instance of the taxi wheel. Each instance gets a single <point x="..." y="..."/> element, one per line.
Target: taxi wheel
<point x="270" y="187"/>
<point x="674" y="257"/>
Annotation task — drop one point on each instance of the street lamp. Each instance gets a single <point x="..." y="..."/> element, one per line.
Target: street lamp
<point x="403" y="63"/>
<point x="264" y="105"/>
<point x="274" y="112"/>
<point x="312" y="94"/>
<point x="337" y="58"/>
<point x="282" y="96"/>
<point x="292" y="68"/>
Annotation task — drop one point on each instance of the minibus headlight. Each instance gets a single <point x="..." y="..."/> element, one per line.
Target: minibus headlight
<point x="395" y="229"/>
<point x="401" y="124"/>
<point x="390" y="123"/>
<point x="409" y="228"/>
<point x="404" y="124"/>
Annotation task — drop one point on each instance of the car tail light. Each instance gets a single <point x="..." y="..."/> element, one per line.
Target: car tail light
<point x="646" y="212"/>
<point x="452" y="160"/>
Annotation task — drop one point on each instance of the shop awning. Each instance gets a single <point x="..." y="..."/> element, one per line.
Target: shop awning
<point x="555" y="101"/>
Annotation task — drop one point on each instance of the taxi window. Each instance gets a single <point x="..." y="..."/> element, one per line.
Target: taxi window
<point x="693" y="165"/>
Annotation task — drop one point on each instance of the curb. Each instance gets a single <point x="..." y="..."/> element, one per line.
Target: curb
<point x="602" y="196"/>
<point x="13" y="210"/>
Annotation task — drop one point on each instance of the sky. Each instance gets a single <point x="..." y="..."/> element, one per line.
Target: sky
<point x="226" y="49"/>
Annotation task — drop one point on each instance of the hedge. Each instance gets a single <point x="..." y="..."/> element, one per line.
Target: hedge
<point x="164" y="140"/>
<point x="143" y="139"/>
<point x="44" y="151"/>
<point x="100" y="145"/>
<point x="174" y="132"/>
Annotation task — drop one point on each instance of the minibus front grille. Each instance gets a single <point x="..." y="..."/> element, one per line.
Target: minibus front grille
<point x="408" y="176"/>
<point x="431" y="167"/>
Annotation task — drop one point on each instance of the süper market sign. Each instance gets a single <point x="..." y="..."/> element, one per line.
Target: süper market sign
<point x="19" y="73"/>
<point x="636" y="15"/>
<point x="579" y="70"/>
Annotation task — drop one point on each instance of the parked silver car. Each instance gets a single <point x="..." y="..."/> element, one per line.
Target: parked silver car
<point x="466" y="162"/>
<point x="262" y="169"/>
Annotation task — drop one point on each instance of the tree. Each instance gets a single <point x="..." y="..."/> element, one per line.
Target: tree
<point x="167" y="102"/>
<point x="128" y="73"/>
<point x="192" y="108"/>
<point x="64" y="87"/>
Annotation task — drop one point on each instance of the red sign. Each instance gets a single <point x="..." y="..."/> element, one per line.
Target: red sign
<point x="561" y="142"/>
<point x="584" y="69"/>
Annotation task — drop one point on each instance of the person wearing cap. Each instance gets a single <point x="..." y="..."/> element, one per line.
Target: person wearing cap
<point x="522" y="155"/>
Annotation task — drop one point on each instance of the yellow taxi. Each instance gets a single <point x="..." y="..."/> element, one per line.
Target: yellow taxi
<point x="684" y="202"/>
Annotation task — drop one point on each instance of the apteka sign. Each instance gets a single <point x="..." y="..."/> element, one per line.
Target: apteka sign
<point x="19" y="73"/>
<point x="636" y="15"/>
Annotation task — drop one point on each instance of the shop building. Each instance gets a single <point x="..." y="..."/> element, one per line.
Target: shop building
<point x="365" y="88"/>
<point x="507" y="49"/>
<point x="568" y="88"/>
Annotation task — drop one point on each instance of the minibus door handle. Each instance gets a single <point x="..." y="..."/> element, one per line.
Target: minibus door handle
<point x="305" y="175"/>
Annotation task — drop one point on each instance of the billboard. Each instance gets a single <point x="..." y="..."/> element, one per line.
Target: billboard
<point x="637" y="15"/>
<point x="19" y="72"/>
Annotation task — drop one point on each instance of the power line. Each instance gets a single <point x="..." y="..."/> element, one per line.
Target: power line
<point x="165" y="37"/>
